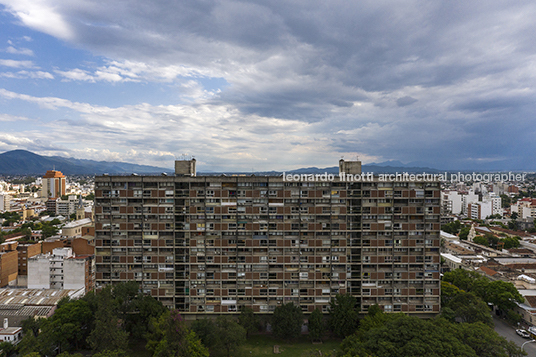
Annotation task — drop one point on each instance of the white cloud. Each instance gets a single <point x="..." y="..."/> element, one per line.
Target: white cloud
<point x="76" y="74"/>
<point x="19" y="51"/>
<point x="12" y="118"/>
<point x="16" y="64"/>
<point x="27" y="74"/>
<point x="41" y="16"/>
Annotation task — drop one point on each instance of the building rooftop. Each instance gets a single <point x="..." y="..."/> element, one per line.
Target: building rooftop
<point x="488" y="271"/>
<point x="54" y="174"/>
<point x="10" y="330"/>
<point x="37" y="297"/>
<point x="80" y="222"/>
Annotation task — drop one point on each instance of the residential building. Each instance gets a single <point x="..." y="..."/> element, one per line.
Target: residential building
<point x="525" y="208"/>
<point x="212" y="244"/>
<point x="61" y="270"/>
<point x="468" y="198"/>
<point x="452" y="202"/>
<point x="480" y="210"/>
<point x="66" y="207"/>
<point x="75" y="228"/>
<point x="53" y="184"/>
<point x="26" y="251"/>
<point x="12" y="335"/>
<point x="5" y="202"/>
<point x="8" y="267"/>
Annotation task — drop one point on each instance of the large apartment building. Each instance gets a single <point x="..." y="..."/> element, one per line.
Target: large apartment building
<point x="212" y="244"/>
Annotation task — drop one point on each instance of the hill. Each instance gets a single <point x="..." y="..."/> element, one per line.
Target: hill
<point x="22" y="162"/>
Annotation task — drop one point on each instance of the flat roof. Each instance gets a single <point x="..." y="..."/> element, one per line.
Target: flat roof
<point x="36" y="297"/>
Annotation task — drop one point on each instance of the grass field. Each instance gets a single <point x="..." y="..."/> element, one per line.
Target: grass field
<point x="263" y="345"/>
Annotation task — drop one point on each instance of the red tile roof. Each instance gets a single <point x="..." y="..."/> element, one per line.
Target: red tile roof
<point x="488" y="271"/>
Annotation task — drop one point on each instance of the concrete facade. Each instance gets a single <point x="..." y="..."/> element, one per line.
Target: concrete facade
<point x="212" y="244"/>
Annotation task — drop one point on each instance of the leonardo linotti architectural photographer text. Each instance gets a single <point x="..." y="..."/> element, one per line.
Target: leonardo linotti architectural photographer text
<point x="405" y="176"/>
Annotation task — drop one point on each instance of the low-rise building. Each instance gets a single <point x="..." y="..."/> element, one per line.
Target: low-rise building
<point x="75" y="228"/>
<point x="12" y="335"/>
<point x="18" y="305"/>
<point x="61" y="270"/>
<point x="8" y="267"/>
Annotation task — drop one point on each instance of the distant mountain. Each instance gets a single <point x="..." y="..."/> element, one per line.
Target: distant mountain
<point x="376" y="169"/>
<point x="22" y="162"/>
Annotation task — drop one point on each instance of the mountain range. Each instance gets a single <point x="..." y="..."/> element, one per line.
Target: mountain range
<point x="22" y="162"/>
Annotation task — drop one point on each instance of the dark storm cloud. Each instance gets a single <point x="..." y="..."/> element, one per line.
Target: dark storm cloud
<point x="411" y="81"/>
<point x="404" y="101"/>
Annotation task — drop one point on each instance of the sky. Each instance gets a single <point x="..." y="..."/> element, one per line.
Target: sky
<point x="271" y="85"/>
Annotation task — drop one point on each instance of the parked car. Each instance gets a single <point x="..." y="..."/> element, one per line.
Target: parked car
<point x="523" y="333"/>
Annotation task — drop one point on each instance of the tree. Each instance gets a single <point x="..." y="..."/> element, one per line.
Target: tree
<point x="221" y="337"/>
<point x="469" y="281"/>
<point x="65" y="331"/>
<point x="374" y="310"/>
<point x="206" y="330"/>
<point x="108" y="333"/>
<point x="169" y="337"/>
<point x="492" y="240"/>
<point x="502" y="294"/>
<point x="248" y="320"/>
<point x="343" y="315"/>
<point x="464" y="232"/>
<point x="6" y="349"/>
<point x="404" y="336"/>
<point x="230" y="333"/>
<point x="481" y="240"/>
<point x="469" y="308"/>
<point x="140" y="312"/>
<point x="287" y="321"/>
<point x="483" y="340"/>
<point x="452" y="228"/>
<point x="506" y="201"/>
<point x="49" y="231"/>
<point x="511" y="242"/>
<point x="316" y="325"/>
<point x="116" y="353"/>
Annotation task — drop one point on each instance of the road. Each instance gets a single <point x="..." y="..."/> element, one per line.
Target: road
<point x="508" y="332"/>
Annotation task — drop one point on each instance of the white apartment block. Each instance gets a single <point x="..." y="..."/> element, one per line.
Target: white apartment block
<point x="470" y="197"/>
<point x="5" y="202"/>
<point x="56" y="271"/>
<point x="480" y="210"/>
<point x="66" y="207"/>
<point x="496" y="202"/>
<point x="452" y="201"/>
<point x="525" y="208"/>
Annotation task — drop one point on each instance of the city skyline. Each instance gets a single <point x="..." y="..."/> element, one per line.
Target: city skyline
<point x="251" y="87"/>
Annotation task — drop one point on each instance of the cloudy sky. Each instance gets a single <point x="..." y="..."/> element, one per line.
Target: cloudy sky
<point x="260" y="85"/>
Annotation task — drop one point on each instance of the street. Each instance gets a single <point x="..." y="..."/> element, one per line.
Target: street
<point x="508" y="332"/>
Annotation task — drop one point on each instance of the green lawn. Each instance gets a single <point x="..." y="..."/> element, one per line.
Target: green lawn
<point x="263" y="345"/>
<point x="260" y="345"/>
